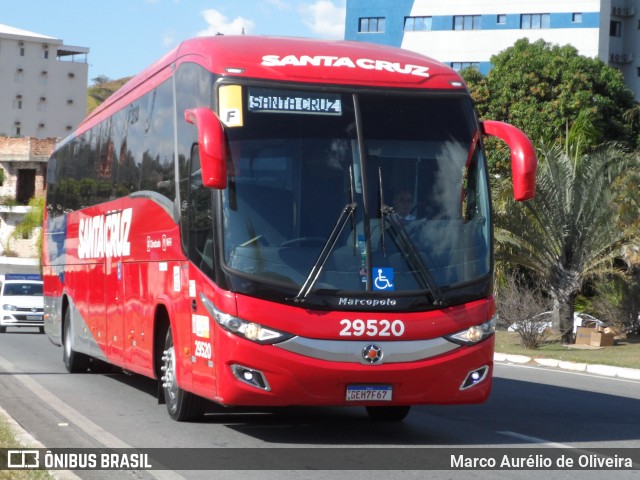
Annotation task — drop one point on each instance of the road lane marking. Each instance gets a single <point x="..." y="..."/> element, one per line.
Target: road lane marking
<point x="547" y="443"/>
<point x="529" y="439"/>
<point x="567" y="372"/>
<point x="75" y="417"/>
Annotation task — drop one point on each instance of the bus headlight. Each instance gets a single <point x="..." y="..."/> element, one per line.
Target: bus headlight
<point x="249" y="330"/>
<point x="475" y="334"/>
<point x="9" y="307"/>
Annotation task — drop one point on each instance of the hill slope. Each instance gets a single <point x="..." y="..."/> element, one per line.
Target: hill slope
<point x="98" y="93"/>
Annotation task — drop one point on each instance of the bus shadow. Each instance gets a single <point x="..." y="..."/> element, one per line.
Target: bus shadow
<point x="555" y="414"/>
<point x="549" y="413"/>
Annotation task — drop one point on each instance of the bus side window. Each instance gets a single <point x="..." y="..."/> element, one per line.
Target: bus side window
<point x="200" y="217"/>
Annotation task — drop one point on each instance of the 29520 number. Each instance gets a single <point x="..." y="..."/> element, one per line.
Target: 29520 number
<point x="371" y="328"/>
<point x="203" y="349"/>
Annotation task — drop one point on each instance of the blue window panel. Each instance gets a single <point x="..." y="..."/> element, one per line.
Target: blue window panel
<point x="394" y="14"/>
<point x="442" y="23"/>
<point x="513" y="21"/>
<point x="409" y="24"/>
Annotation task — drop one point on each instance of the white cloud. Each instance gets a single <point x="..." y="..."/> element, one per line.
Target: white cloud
<point x="325" y="17"/>
<point x="220" y="23"/>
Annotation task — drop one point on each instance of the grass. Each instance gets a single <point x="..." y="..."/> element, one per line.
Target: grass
<point x="8" y="440"/>
<point x="625" y="353"/>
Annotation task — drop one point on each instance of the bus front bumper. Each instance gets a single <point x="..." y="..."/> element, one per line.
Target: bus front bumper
<point x="270" y="375"/>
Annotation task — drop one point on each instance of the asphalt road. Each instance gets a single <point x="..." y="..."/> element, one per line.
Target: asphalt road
<point x="531" y="407"/>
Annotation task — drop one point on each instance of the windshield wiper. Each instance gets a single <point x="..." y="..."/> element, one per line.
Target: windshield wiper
<point x="382" y="215"/>
<point x="413" y="256"/>
<point x="406" y="245"/>
<point x="347" y="212"/>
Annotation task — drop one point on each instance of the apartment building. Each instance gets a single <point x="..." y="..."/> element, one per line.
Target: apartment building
<point x="44" y="84"/>
<point x="464" y="33"/>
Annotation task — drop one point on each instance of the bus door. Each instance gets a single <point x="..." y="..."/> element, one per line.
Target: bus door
<point x="199" y="228"/>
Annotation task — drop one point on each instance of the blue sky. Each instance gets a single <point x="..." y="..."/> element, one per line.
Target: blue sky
<point x="127" y="35"/>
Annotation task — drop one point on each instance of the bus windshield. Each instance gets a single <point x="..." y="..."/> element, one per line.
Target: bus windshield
<point x="374" y="194"/>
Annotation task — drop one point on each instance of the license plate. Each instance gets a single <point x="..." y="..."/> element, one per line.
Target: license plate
<point x="369" y="393"/>
<point x="34" y="317"/>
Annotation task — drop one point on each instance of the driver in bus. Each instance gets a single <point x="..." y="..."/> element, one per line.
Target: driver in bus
<point x="403" y="205"/>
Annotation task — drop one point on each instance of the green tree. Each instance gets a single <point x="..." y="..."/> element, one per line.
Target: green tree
<point x="31" y="221"/>
<point x="541" y="87"/>
<point x="100" y="80"/>
<point x="570" y="230"/>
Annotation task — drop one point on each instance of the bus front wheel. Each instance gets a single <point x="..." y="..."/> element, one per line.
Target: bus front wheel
<point x="181" y="405"/>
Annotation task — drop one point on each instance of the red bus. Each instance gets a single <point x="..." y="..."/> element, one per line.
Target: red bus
<point x="273" y="222"/>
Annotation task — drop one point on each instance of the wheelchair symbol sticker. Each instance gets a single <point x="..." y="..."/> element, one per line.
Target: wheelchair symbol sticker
<point x="383" y="279"/>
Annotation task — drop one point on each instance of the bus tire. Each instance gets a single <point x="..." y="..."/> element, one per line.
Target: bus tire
<point x="388" y="414"/>
<point x="74" y="362"/>
<point x="181" y="405"/>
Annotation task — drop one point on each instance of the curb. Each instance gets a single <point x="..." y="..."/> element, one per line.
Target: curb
<point x="603" y="370"/>
<point x="25" y="441"/>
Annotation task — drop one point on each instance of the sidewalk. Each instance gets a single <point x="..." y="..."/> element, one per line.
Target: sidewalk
<point x="25" y="440"/>
<point x="604" y="370"/>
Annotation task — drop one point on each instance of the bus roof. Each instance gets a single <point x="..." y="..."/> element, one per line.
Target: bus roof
<point x="289" y="59"/>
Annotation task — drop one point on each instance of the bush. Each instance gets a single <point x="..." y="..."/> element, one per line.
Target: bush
<point x="524" y="309"/>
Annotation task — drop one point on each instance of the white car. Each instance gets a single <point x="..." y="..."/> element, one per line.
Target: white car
<point x="539" y="322"/>
<point x="585" y="320"/>
<point x="543" y="322"/>
<point x="22" y="302"/>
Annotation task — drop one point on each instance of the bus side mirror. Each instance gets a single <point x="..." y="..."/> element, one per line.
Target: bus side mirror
<point x="212" y="146"/>
<point x="523" y="157"/>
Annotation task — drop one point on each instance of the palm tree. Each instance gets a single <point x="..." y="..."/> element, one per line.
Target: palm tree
<point x="570" y="230"/>
<point x="632" y="114"/>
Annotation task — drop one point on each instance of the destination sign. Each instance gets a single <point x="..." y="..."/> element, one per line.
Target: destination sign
<point x="288" y="101"/>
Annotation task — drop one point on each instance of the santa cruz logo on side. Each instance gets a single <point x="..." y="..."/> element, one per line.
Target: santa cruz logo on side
<point x="335" y="62"/>
<point x="105" y="236"/>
